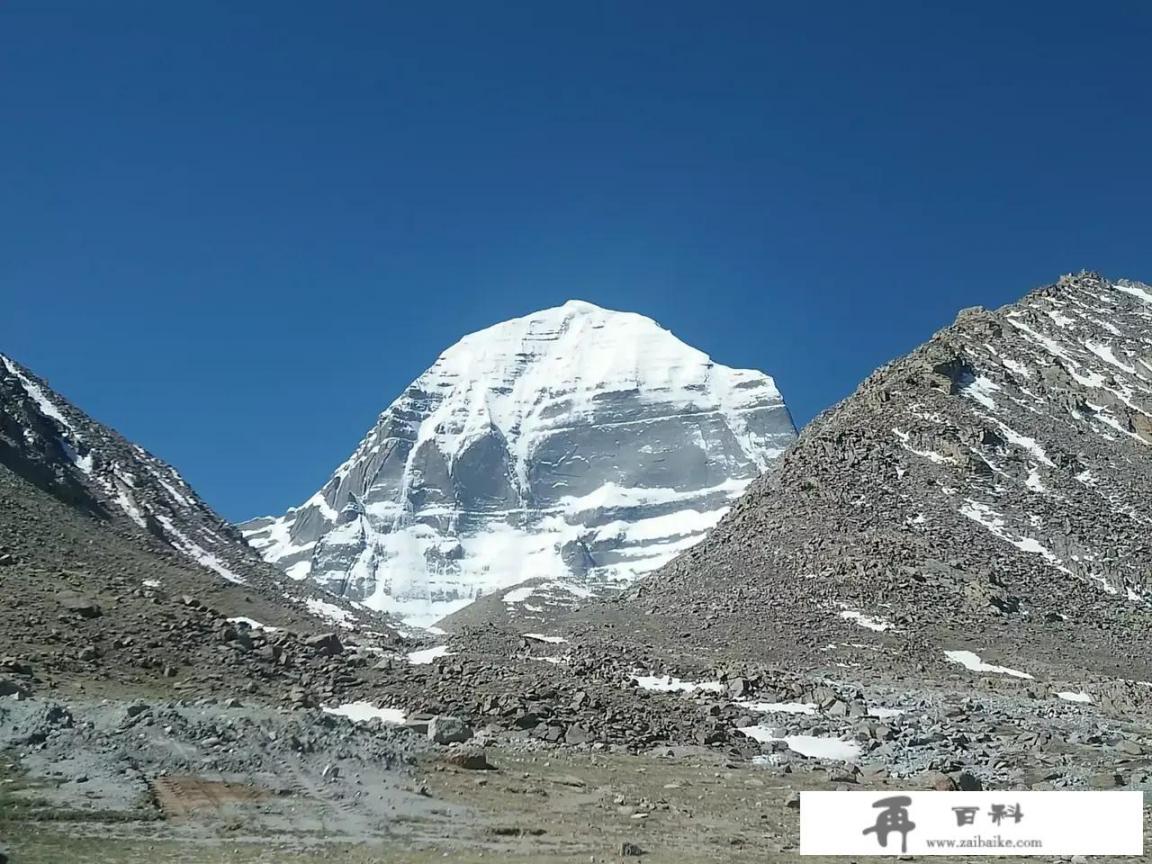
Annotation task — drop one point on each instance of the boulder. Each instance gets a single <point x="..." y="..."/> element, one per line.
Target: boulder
<point x="327" y="644"/>
<point x="448" y="730"/>
<point x="11" y="687"/>
<point x="81" y="606"/>
<point x="469" y="758"/>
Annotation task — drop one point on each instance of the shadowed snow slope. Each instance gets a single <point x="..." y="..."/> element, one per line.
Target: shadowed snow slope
<point x="576" y="443"/>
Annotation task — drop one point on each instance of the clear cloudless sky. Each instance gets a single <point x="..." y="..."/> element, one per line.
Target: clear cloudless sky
<point x="236" y="230"/>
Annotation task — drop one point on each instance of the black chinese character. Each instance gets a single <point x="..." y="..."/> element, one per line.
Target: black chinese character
<point x="893" y="818"/>
<point x="1000" y="812"/>
<point x="966" y="815"/>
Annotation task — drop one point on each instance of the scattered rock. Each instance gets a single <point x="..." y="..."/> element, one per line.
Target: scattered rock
<point x="80" y="606"/>
<point x="468" y="758"/>
<point x="448" y="730"/>
<point x="328" y="644"/>
<point x="11" y="687"/>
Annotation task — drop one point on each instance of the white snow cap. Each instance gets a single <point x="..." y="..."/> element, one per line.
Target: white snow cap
<point x="566" y="356"/>
<point x="575" y="445"/>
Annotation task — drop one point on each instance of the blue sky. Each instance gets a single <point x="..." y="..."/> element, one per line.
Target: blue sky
<point x="235" y="234"/>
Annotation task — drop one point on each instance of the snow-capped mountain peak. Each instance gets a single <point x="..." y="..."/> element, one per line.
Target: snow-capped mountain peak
<point x="548" y="445"/>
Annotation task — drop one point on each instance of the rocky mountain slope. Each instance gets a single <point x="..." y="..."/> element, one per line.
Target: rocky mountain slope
<point x="84" y="510"/>
<point x="577" y="445"/>
<point x="988" y="493"/>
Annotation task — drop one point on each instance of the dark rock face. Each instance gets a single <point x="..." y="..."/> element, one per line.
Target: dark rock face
<point x="575" y="444"/>
<point x="988" y="490"/>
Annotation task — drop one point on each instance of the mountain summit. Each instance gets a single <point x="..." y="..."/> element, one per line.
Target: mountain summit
<point x="577" y="444"/>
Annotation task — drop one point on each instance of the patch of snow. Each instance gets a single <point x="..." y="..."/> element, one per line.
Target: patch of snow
<point x="994" y="522"/>
<point x="299" y="571"/>
<point x="331" y="611"/>
<point x="781" y="707"/>
<point x="253" y="623"/>
<point x="1070" y="696"/>
<point x="128" y="504"/>
<point x="972" y="661"/>
<point x="196" y="552"/>
<point x="1027" y="443"/>
<point x="519" y="595"/>
<point x="881" y="713"/>
<point x="981" y="389"/>
<point x="527" y="592"/>
<point x="540" y="637"/>
<point x="877" y="624"/>
<point x="1104" y="352"/>
<point x="668" y="684"/>
<point x="151" y="583"/>
<point x="364" y="712"/>
<point x="930" y="455"/>
<point x="1016" y="367"/>
<point x="812" y="746"/>
<point x="1133" y="290"/>
<point x="426" y="655"/>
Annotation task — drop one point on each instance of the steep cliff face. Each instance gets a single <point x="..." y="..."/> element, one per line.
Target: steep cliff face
<point x="990" y="489"/>
<point x="576" y="444"/>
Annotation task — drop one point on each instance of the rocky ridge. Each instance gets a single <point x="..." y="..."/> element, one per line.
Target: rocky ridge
<point x="987" y="492"/>
<point x="81" y="504"/>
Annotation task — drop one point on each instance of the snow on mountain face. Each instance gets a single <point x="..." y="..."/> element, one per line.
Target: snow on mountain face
<point x="576" y="443"/>
<point x="60" y="449"/>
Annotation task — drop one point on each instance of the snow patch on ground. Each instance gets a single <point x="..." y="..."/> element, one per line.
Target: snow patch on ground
<point x="781" y="707"/>
<point x="253" y="623"/>
<point x="1071" y="696"/>
<point x="867" y="621"/>
<point x="540" y="637"/>
<point x="881" y="713"/>
<point x="972" y="661"/>
<point x="812" y="746"/>
<point x="330" y="611"/>
<point x="364" y="712"/>
<point x="519" y="595"/>
<point x="527" y="592"/>
<point x="426" y="655"/>
<point x="668" y="684"/>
